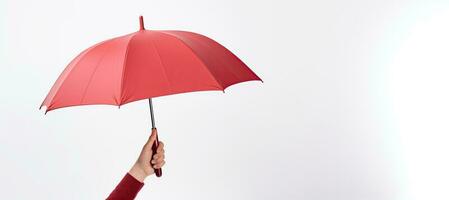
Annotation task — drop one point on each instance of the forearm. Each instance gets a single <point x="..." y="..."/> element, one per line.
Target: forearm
<point x="127" y="189"/>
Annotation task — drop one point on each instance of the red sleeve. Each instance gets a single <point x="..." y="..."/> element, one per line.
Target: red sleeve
<point x="127" y="189"/>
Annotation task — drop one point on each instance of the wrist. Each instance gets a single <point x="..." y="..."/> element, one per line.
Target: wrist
<point x="138" y="173"/>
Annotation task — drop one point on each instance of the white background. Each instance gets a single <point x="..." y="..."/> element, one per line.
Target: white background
<point x="353" y="104"/>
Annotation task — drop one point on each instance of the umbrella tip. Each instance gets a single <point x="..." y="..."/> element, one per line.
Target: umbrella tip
<point x="142" y="27"/>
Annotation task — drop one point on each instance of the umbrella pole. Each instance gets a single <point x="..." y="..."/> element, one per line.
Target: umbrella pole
<point x="158" y="172"/>
<point x="151" y="112"/>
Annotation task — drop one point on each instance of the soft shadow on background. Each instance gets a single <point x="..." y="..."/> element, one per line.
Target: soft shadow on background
<point x="353" y="104"/>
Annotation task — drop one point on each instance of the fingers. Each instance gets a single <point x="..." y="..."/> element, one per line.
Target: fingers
<point x="159" y="165"/>
<point x="160" y="148"/>
<point x="158" y="159"/>
<point x="160" y="153"/>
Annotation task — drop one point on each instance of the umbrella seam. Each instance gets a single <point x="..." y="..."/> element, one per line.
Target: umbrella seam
<point x="162" y="64"/>
<point x="93" y="73"/>
<point x="194" y="53"/>
<point x="124" y="69"/>
<point x="219" y="59"/>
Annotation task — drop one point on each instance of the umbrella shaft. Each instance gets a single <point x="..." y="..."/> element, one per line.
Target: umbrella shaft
<point x="151" y="112"/>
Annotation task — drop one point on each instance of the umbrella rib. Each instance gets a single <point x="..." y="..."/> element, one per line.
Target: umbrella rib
<point x="193" y="52"/>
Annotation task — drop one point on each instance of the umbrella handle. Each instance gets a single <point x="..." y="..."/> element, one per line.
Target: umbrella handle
<point x="158" y="172"/>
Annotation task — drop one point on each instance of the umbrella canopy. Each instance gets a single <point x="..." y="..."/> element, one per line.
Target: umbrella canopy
<point x="146" y="64"/>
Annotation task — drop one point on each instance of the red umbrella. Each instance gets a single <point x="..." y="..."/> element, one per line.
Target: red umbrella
<point x="143" y="65"/>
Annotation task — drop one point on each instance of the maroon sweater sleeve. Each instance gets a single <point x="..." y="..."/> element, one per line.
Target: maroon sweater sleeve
<point x="127" y="189"/>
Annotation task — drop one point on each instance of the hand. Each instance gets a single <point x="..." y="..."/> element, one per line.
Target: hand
<point x="144" y="166"/>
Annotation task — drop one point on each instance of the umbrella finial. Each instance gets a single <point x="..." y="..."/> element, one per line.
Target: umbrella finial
<point x="142" y="27"/>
